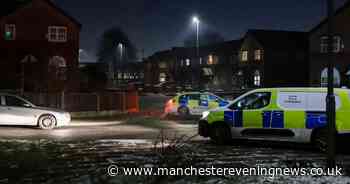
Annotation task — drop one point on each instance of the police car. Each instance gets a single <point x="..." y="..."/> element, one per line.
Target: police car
<point x="282" y="114"/>
<point x="193" y="103"/>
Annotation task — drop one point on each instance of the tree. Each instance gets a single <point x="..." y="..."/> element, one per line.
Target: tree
<point x="93" y="77"/>
<point x="207" y="38"/>
<point x="108" y="45"/>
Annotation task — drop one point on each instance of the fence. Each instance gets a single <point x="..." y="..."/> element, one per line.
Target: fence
<point x="84" y="102"/>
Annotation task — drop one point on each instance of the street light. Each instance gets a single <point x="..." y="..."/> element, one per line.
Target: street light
<point x="196" y="21"/>
<point x="120" y="46"/>
<point x="121" y="52"/>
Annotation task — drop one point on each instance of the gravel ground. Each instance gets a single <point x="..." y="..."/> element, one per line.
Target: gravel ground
<point x="87" y="161"/>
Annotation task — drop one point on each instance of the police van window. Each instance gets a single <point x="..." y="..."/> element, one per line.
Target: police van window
<point x="253" y="101"/>
<point x="214" y="98"/>
<point x="194" y="96"/>
<point x="203" y="97"/>
<point x="183" y="98"/>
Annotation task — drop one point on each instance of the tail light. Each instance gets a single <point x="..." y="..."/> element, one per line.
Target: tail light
<point x="171" y="102"/>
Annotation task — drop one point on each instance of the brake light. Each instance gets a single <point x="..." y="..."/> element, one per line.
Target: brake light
<point x="171" y="102"/>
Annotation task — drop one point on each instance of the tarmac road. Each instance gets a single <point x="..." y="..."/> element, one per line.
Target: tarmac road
<point x="88" y="130"/>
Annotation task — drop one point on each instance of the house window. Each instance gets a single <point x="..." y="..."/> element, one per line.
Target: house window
<point x="10" y="32"/>
<point x="212" y="60"/>
<point x="58" y="67"/>
<point x="257" y="78"/>
<point x="258" y="55"/>
<point x="337" y="44"/>
<point x="188" y="62"/>
<point x="162" y="77"/>
<point x="324" y="77"/>
<point x="244" y="55"/>
<point x="57" y="34"/>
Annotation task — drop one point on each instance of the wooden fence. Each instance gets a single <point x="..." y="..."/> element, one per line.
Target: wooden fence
<point x="127" y="101"/>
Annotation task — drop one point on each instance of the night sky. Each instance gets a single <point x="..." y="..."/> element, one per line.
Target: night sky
<point x="155" y="25"/>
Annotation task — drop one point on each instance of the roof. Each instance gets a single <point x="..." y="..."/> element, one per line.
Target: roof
<point x="11" y="6"/>
<point x="338" y="11"/>
<point x="280" y="40"/>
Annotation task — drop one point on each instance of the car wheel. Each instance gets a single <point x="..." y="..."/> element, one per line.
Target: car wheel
<point x="221" y="134"/>
<point x="183" y="111"/>
<point x="319" y="139"/>
<point x="47" y="122"/>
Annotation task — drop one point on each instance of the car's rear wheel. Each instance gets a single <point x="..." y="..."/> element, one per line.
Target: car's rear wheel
<point x="183" y="111"/>
<point x="47" y="122"/>
<point x="220" y="134"/>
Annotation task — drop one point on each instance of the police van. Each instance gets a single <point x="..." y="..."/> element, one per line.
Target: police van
<point x="193" y="103"/>
<point x="282" y="114"/>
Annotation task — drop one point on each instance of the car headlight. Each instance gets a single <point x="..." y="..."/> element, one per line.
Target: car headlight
<point x="205" y="114"/>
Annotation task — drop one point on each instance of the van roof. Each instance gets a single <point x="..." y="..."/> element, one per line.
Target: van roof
<point x="303" y="89"/>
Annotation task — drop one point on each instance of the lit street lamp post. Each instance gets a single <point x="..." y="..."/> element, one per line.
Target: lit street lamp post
<point x="120" y="46"/>
<point x="330" y="91"/>
<point x="196" y="21"/>
<point x="117" y="68"/>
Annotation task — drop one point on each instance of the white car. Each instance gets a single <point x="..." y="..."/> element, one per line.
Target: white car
<point x="15" y="110"/>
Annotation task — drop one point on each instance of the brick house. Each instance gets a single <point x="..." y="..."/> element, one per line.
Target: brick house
<point x="319" y="46"/>
<point x="39" y="46"/>
<point x="273" y="58"/>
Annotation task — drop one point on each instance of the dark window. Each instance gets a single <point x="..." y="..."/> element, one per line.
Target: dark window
<point x="13" y="101"/>
<point x="204" y="97"/>
<point x="253" y="101"/>
<point x="215" y="98"/>
<point x="194" y="97"/>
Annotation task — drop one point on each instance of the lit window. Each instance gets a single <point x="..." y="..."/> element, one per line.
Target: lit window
<point x="210" y="60"/>
<point x="258" y="55"/>
<point x="188" y="62"/>
<point x="200" y="61"/>
<point x="337" y="44"/>
<point x="57" y="34"/>
<point x="10" y="32"/>
<point x="162" y="77"/>
<point x="244" y="55"/>
<point x="257" y="78"/>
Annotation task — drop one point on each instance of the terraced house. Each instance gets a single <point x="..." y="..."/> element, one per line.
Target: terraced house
<point x="213" y="69"/>
<point x="273" y="58"/>
<point x="319" y="48"/>
<point x="39" y="46"/>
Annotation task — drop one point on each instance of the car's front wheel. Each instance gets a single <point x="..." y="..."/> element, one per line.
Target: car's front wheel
<point x="47" y="122"/>
<point x="183" y="111"/>
<point x="220" y="134"/>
